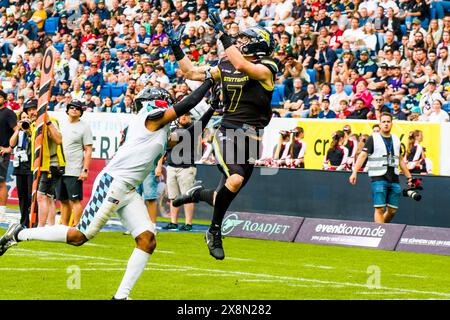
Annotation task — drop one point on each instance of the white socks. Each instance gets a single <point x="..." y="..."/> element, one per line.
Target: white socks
<point x="56" y="233"/>
<point x="136" y="264"/>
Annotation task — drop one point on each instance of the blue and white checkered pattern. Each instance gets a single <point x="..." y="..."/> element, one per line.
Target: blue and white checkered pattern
<point x="95" y="203"/>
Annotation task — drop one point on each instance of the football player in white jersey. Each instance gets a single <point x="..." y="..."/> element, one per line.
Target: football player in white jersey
<point x="114" y="188"/>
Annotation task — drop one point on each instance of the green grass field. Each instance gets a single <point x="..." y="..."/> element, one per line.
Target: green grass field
<point x="181" y="269"/>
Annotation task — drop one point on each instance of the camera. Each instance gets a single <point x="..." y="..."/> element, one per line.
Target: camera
<point x="285" y="134"/>
<point x="25" y="124"/>
<point x="412" y="192"/>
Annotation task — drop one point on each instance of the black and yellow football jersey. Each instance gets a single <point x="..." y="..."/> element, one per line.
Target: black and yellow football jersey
<point x="245" y="100"/>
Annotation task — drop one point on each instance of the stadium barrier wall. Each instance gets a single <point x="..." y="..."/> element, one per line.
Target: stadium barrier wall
<point x="327" y="195"/>
<point x="398" y="237"/>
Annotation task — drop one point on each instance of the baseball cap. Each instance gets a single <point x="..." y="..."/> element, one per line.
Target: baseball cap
<point x="431" y="81"/>
<point x="333" y="23"/>
<point x="396" y="101"/>
<point x="384" y="65"/>
<point x="19" y="37"/>
<point x="347" y="128"/>
<point x="94" y="64"/>
<point x="364" y="51"/>
<point x="4" y="55"/>
<point x="416" y="21"/>
<point x="412" y="85"/>
<point x="325" y="100"/>
<point x="306" y="38"/>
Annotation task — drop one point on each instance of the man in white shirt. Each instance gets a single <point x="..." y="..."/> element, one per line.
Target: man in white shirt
<point x="246" y="21"/>
<point x="370" y="6"/>
<point x="429" y="97"/>
<point x="353" y="34"/>
<point x="19" y="49"/>
<point x="339" y="95"/>
<point x="283" y="12"/>
<point x="267" y="13"/>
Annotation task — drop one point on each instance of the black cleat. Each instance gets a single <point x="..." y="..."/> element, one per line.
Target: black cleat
<point x="9" y="239"/>
<point x="214" y="242"/>
<point x="114" y="298"/>
<point x="188" y="197"/>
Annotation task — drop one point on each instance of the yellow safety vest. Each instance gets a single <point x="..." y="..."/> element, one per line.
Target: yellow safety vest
<point x="45" y="164"/>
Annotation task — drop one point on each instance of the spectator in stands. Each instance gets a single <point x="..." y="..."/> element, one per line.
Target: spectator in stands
<point x="303" y="111"/>
<point x="396" y="88"/>
<point x="295" y="100"/>
<point x="435" y="114"/>
<point x="430" y="95"/>
<point x="365" y="66"/>
<point x="397" y="113"/>
<point x="326" y="112"/>
<point x="325" y="60"/>
<point x="378" y="107"/>
<point x="360" y="111"/>
<point x="337" y="154"/>
<point x="339" y="95"/>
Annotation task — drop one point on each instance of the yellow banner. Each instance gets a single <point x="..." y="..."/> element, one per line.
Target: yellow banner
<point x="318" y="138"/>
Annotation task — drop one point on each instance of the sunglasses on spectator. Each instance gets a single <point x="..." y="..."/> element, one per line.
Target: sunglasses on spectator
<point x="74" y="108"/>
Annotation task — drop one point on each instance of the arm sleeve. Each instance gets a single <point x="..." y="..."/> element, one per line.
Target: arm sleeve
<point x="203" y="121"/>
<point x="188" y="103"/>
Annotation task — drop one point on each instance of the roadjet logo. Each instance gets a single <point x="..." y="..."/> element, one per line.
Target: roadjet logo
<point x="232" y="221"/>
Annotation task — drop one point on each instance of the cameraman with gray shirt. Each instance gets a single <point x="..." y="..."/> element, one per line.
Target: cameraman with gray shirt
<point x="77" y="146"/>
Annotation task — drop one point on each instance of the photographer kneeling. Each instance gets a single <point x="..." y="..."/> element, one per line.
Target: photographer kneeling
<point x="383" y="152"/>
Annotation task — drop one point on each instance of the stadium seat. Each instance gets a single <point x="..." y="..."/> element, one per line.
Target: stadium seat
<point x="105" y="91"/>
<point x="348" y="88"/>
<point x="59" y="46"/>
<point x="117" y="90"/>
<point x="278" y="95"/>
<point x="51" y="25"/>
<point x="34" y="30"/>
<point x="333" y="89"/>
<point x="312" y="75"/>
<point x="403" y="28"/>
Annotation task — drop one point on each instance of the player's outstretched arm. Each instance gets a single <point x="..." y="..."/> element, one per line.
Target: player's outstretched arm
<point x="191" y="72"/>
<point x="255" y="71"/>
<point x="182" y="107"/>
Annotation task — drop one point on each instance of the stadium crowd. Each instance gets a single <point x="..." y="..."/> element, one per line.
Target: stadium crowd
<point x="337" y="59"/>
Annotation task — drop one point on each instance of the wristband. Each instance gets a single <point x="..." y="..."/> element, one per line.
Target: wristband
<point x="49" y="123"/>
<point x="178" y="52"/>
<point x="227" y="41"/>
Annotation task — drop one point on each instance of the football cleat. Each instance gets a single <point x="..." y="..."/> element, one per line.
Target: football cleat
<point x="9" y="239"/>
<point x="214" y="242"/>
<point x="188" y="197"/>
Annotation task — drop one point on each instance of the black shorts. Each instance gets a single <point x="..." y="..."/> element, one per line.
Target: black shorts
<point x="4" y="164"/>
<point x="236" y="150"/>
<point x="69" y="188"/>
<point x="47" y="184"/>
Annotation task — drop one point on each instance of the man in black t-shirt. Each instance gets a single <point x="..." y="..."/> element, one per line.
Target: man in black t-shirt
<point x="8" y="123"/>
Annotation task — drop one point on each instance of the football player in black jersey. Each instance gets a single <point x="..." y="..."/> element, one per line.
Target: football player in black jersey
<point x="247" y="76"/>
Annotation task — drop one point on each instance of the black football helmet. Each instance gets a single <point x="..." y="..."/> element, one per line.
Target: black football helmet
<point x="75" y="103"/>
<point x="261" y="42"/>
<point x="155" y="99"/>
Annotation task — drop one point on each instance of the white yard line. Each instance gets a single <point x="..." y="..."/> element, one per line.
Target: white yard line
<point x="411" y="275"/>
<point x="317" y="266"/>
<point x="246" y="274"/>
